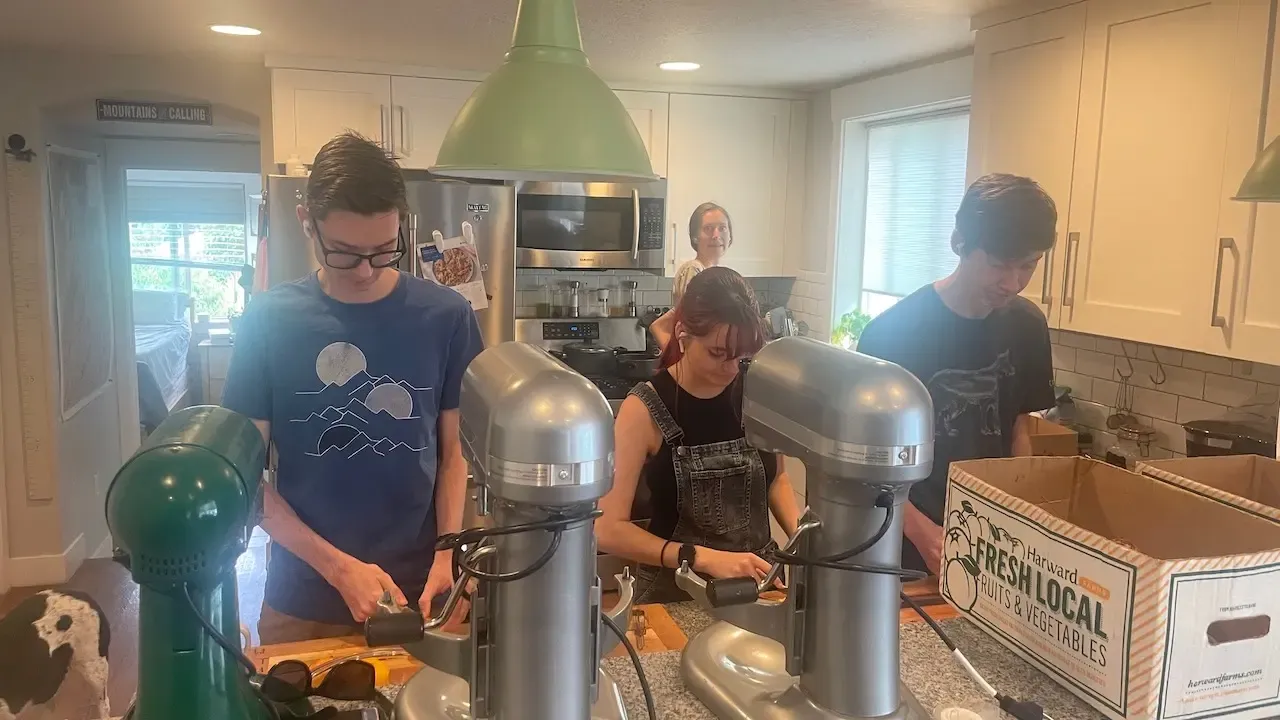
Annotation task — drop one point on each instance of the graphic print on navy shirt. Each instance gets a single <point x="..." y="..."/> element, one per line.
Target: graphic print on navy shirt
<point x="363" y="412"/>
<point x="353" y="394"/>
<point x="967" y="402"/>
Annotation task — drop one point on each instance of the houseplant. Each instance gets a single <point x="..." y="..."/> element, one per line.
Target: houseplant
<point x="849" y="328"/>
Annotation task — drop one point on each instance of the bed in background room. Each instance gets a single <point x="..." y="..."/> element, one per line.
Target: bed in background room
<point x="162" y="339"/>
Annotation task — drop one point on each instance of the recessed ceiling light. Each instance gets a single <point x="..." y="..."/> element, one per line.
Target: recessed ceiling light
<point x="235" y="30"/>
<point x="679" y="66"/>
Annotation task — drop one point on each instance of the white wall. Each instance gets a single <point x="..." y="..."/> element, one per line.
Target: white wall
<point x="838" y="115"/>
<point x="51" y="97"/>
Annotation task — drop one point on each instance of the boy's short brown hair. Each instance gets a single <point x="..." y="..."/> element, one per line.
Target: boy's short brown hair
<point x="1007" y="216"/>
<point x="354" y="174"/>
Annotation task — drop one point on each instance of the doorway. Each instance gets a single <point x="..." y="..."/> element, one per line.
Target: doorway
<point x="191" y="236"/>
<point x="182" y="216"/>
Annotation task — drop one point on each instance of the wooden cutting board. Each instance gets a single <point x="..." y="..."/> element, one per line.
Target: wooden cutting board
<point x="660" y="635"/>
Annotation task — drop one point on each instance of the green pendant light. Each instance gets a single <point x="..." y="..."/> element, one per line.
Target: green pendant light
<point x="544" y="114"/>
<point x="1262" y="182"/>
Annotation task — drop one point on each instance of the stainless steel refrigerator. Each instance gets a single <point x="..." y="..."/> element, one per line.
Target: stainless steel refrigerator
<point x="437" y="209"/>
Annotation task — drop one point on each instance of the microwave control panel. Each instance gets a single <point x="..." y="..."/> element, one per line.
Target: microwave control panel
<point x="652" y="223"/>
<point x="570" y="331"/>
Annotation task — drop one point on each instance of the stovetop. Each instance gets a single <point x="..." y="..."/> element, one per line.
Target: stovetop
<point x="613" y="388"/>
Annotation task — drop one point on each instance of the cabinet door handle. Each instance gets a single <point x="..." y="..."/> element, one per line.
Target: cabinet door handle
<point x="404" y="130"/>
<point x="1069" y="264"/>
<point x="671" y="259"/>
<point x="1224" y="244"/>
<point x="384" y="127"/>
<point x="1045" y="297"/>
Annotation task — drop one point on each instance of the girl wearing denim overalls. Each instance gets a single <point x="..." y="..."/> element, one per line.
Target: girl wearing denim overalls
<point x="681" y="432"/>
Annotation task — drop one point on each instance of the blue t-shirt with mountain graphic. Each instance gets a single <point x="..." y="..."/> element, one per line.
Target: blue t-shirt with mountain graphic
<point x="353" y="393"/>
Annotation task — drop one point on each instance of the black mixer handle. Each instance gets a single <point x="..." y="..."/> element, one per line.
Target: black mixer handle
<point x="386" y="629"/>
<point x="732" y="591"/>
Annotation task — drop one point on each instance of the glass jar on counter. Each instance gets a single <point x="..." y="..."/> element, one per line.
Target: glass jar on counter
<point x="1133" y="445"/>
<point x="546" y="302"/>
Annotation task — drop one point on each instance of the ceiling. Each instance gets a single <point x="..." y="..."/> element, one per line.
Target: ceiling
<point x="798" y="44"/>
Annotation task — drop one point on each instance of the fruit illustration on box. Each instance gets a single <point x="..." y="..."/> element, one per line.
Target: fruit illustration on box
<point x="961" y="567"/>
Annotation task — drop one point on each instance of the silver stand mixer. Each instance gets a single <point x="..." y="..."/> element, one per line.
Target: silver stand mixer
<point x="864" y="430"/>
<point x="540" y="440"/>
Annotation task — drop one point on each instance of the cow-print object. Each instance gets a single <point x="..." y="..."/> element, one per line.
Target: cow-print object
<point x="53" y="659"/>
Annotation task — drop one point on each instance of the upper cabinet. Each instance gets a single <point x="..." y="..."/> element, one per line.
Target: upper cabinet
<point x="649" y="111"/>
<point x="1140" y="119"/>
<point x="309" y="107"/>
<point x="735" y="152"/>
<point x="747" y="154"/>
<point x="422" y="109"/>
<point x="1026" y="89"/>
<point x="1248" y="299"/>
<point x="1170" y="102"/>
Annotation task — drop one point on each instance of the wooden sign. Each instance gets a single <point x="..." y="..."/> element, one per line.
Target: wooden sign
<point x="154" y="112"/>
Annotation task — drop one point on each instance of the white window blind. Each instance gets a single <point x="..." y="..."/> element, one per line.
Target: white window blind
<point x="213" y="203"/>
<point x="915" y="180"/>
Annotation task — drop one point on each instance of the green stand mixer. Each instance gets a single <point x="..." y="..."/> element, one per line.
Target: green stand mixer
<point x="180" y="512"/>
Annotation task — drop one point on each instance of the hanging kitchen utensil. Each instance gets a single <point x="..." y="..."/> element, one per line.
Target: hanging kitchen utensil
<point x="1122" y="414"/>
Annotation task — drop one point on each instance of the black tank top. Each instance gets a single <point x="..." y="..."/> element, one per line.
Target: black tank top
<point x="704" y="422"/>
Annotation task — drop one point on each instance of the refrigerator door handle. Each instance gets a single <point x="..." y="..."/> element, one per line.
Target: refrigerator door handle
<point x="414" y="259"/>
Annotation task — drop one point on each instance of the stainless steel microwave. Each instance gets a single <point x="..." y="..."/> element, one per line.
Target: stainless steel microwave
<point x="591" y="225"/>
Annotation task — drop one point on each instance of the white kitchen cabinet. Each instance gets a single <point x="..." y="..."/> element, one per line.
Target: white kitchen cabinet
<point x="1248" y="308"/>
<point x="735" y="152"/>
<point x="310" y="107"/>
<point x="1026" y="91"/>
<point x="422" y="111"/>
<point x="649" y="111"/>
<point x="1170" y="101"/>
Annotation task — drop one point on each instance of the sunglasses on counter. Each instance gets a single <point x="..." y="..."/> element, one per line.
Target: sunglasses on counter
<point x="291" y="681"/>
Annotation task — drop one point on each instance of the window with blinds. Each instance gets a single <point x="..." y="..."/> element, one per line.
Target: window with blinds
<point x="915" y="180"/>
<point x="190" y="237"/>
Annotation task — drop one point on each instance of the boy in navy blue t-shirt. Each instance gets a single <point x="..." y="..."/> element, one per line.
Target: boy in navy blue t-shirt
<point x="354" y="373"/>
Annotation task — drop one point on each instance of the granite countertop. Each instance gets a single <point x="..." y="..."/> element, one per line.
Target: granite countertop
<point x="927" y="668"/>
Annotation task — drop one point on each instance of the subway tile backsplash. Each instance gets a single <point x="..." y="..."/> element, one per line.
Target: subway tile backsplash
<point x="535" y="287"/>
<point x="1194" y="386"/>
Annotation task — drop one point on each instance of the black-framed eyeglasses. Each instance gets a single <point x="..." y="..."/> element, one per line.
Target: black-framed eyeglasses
<point x="343" y="260"/>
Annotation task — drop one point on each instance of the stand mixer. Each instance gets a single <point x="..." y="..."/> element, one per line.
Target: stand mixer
<point x="181" y="511"/>
<point x="540" y="440"/>
<point x="864" y="430"/>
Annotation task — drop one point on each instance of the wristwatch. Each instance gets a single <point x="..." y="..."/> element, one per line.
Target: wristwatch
<point x="688" y="552"/>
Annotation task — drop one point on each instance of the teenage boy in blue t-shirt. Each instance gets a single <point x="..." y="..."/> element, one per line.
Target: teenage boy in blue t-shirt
<point x="354" y="374"/>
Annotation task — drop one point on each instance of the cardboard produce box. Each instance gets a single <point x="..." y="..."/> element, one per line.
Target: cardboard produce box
<point x="1050" y="438"/>
<point x="1144" y="599"/>
<point x="1249" y="482"/>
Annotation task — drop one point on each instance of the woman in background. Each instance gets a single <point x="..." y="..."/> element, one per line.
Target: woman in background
<point x="710" y="234"/>
<point x="711" y="491"/>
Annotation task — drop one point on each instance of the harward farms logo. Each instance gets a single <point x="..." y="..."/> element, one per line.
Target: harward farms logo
<point x="985" y="564"/>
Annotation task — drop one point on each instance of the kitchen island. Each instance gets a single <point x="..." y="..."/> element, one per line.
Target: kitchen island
<point x="927" y="668"/>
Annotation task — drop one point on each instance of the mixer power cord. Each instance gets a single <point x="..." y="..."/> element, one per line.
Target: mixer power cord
<point x="838" y="561"/>
<point x="1019" y="709"/>
<point x="461" y="542"/>
<point x="235" y="652"/>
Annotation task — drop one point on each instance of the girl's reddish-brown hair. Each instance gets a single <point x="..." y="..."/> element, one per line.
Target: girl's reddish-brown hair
<point x="717" y="296"/>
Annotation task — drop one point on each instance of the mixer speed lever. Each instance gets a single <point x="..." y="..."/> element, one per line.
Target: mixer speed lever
<point x="732" y="591"/>
<point x="406" y="626"/>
